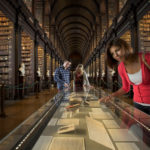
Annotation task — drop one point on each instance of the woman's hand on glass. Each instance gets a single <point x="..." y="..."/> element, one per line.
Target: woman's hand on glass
<point x="105" y="99"/>
<point x="66" y="85"/>
<point x="92" y="87"/>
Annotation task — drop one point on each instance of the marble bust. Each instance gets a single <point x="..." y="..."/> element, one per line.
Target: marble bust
<point x="39" y="72"/>
<point x="47" y="74"/>
<point x="22" y="69"/>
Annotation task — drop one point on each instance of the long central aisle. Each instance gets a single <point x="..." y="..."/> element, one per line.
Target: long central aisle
<point x="82" y="123"/>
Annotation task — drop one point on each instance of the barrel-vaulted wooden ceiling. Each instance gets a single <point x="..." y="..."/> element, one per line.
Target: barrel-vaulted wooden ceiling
<point x="75" y="22"/>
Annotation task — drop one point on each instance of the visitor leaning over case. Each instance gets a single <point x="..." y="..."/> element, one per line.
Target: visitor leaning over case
<point x="134" y="69"/>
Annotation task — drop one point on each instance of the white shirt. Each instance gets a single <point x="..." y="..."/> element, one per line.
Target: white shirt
<point x="136" y="78"/>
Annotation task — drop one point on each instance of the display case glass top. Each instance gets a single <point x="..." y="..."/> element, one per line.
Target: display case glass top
<point x="81" y="122"/>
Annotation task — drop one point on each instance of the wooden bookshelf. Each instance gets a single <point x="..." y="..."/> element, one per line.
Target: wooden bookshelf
<point x="54" y="66"/>
<point x="121" y="4"/>
<point x="39" y="11"/>
<point x="102" y="63"/>
<point x="48" y="64"/>
<point x="97" y="64"/>
<point x="94" y="69"/>
<point x="144" y="33"/>
<point x="27" y="46"/>
<point x="127" y="37"/>
<point x="6" y="40"/>
<point x="41" y="60"/>
<point x="111" y="10"/>
<point x="28" y="4"/>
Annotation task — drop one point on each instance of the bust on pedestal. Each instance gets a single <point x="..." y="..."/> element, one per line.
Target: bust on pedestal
<point x="47" y="79"/>
<point x="21" y="80"/>
<point x="103" y="80"/>
<point x="38" y="79"/>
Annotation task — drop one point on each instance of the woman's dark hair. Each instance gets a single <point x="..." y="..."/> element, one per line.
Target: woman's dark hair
<point x="120" y="43"/>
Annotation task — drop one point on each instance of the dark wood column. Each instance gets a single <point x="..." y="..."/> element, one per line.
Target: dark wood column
<point x="99" y="65"/>
<point x="33" y="7"/>
<point x="107" y="25"/>
<point x="51" y="71"/>
<point x="45" y="66"/>
<point x="134" y="29"/>
<point x="92" y="70"/>
<point x="95" y="79"/>
<point x="17" y="53"/>
<point x="35" y="57"/>
<point x="106" y="71"/>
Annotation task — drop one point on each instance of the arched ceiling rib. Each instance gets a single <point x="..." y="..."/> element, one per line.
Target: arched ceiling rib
<point x="78" y="43"/>
<point x="72" y="25"/>
<point x="75" y="21"/>
<point x="74" y="34"/>
<point x="75" y="29"/>
<point x="74" y="16"/>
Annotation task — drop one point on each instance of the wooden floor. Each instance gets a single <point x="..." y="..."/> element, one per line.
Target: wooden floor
<point x="18" y="111"/>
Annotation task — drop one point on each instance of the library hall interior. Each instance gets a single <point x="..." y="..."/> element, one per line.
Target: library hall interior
<point x="74" y="74"/>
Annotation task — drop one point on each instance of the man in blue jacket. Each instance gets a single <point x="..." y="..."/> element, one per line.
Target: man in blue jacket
<point x="62" y="75"/>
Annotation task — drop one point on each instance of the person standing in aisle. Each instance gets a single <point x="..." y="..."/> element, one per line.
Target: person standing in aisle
<point x="62" y="76"/>
<point x="134" y="69"/>
<point x="80" y="79"/>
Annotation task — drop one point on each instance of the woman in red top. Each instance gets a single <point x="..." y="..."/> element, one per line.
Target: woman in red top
<point x="132" y="71"/>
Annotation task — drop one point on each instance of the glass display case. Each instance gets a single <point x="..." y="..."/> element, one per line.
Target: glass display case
<point x="78" y="121"/>
<point x="82" y="123"/>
